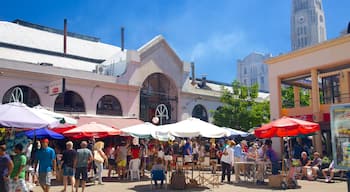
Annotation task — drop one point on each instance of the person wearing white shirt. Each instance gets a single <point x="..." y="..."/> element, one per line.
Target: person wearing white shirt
<point x="227" y="160"/>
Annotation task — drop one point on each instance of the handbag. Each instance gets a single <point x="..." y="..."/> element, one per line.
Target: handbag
<point x="97" y="157"/>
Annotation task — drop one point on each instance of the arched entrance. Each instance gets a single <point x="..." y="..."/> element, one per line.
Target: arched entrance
<point x="69" y="101"/>
<point x="109" y="105"/>
<point x="200" y="112"/>
<point x="30" y="97"/>
<point x="158" y="89"/>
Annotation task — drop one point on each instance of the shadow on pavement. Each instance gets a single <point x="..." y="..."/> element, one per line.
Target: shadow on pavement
<point x="142" y="188"/>
<point x="255" y="186"/>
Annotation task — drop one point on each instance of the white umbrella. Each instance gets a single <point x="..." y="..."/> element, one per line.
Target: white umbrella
<point x="141" y="130"/>
<point x="161" y="133"/>
<point x="193" y="127"/>
<point x="19" y="115"/>
<point x="60" y="117"/>
<point x="235" y="132"/>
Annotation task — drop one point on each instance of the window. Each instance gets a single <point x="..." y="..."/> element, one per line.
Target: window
<point x="330" y="90"/>
<point x="69" y="101"/>
<point x="109" y="105"/>
<point x="262" y="81"/>
<point x="30" y="97"/>
<point x="200" y="112"/>
<point x="321" y="18"/>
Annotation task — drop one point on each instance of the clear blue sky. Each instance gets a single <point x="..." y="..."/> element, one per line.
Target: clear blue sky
<point x="212" y="33"/>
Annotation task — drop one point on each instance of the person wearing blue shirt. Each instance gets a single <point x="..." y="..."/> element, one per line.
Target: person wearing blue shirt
<point x="46" y="158"/>
<point x="271" y="154"/>
<point x="187" y="152"/>
<point x="237" y="152"/>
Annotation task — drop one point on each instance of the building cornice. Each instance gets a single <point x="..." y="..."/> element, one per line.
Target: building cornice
<point x="51" y="73"/>
<point x="307" y="50"/>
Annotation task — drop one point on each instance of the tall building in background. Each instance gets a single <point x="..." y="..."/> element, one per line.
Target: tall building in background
<point x="252" y="69"/>
<point x="308" y="25"/>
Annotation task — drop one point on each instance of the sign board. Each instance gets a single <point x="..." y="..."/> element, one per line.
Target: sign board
<point x="57" y="87"/>
<point x="340" y="131"/>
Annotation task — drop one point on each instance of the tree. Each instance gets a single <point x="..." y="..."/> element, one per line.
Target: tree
<point x="288" y="97"/>
<point x="240" y="110"/>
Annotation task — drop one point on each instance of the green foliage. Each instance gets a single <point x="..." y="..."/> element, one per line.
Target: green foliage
<point x="240" y="110"/>
<point x="288" y="97"/>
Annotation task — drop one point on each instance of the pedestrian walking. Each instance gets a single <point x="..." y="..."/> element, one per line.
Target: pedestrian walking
<point x="6" y="167"/>
<point x="46" y="158"/>
<point x="17" y="181"/>
<point x="69" y="161"/>
<point x="84" y="157"/>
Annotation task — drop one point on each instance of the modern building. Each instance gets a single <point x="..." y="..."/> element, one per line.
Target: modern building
<point x="327" y="66"/>
<point x="252" y="70"/>
<point x="308" y="25"/>
<point x="100" y="79"/>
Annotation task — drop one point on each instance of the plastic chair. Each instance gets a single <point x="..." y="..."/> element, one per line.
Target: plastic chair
<point x="158" y="175"/>
<point x="134" y="169"/>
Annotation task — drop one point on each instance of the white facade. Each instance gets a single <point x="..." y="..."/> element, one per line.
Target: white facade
<point x="252" y="70"/>
<point x="308" y="25"/>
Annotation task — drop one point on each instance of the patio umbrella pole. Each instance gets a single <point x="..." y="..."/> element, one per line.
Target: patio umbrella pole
<point x="282" y="144"/>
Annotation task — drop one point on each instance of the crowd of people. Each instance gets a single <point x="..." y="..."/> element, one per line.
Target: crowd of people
<point x="79" y="162"/>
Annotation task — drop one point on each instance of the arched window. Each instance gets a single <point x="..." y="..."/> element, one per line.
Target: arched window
<point x="158" y="89"/>
<point x="109" y="105"/>
<point x="200" y="112"/>
<point x="30" y="97"/>
<point x="69" y="101"/>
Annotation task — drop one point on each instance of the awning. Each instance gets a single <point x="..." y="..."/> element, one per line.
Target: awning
<point x="116" y="122"/>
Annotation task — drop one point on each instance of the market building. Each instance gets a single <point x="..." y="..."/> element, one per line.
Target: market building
<point x="101" y="79"/>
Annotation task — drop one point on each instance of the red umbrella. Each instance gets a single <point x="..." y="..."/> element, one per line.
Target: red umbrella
<point x="92" y="129"/>
<point x="285" y="127"/>
<point x="63" y="128"/>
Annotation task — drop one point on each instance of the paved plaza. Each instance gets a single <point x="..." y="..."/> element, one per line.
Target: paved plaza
<point x="145" y="185"/>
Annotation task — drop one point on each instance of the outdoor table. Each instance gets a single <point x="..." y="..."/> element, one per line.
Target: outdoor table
<point x="254" y="164"/>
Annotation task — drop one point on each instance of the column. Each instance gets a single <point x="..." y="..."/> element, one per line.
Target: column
<point x="316" y="109"/>
<point x="296" y="97"/>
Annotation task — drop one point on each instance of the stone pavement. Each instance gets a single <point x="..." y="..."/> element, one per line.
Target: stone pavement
<point x="145" y="185"/>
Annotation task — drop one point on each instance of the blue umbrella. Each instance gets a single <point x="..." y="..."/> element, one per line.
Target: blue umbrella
<point x="43" y="133"/>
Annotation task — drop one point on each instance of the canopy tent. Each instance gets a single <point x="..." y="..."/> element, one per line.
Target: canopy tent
<point x="285" y="127"/>
<point x="193" y="127"/>
<point x="42" y="133"/>
<point x="19" y="115"/>
<point x="62" y="118"/>
<point x="92" y="129"/>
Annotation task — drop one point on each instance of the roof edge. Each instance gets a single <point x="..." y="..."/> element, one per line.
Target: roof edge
<point x="311" y="49"/>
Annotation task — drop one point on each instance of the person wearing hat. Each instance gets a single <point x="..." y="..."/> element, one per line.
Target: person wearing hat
<point x="6" y="167"/>
<point x="46" y="158"/>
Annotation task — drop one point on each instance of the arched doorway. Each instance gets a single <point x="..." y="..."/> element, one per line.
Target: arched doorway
<point x="109" y="105"/>
<point x="69" y="101"/>
<point x="158" y="89"/>
<point x="30" y="97"/>
<point x="200" y="112"/>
